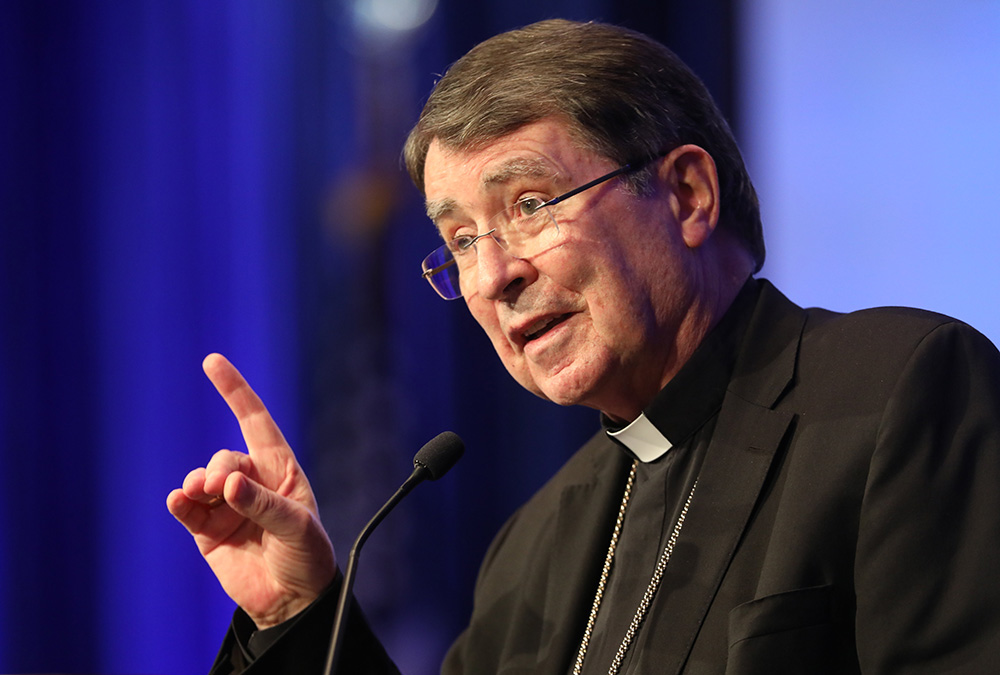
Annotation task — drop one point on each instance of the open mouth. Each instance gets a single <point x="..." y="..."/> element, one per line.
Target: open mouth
<point x="543" y="326"/>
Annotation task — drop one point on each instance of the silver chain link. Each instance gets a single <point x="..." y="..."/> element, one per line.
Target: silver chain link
<point x="605" y="572"/>
<point x="647" y="597"/>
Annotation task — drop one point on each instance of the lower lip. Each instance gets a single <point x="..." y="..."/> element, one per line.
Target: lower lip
<point x="544" y="341"/>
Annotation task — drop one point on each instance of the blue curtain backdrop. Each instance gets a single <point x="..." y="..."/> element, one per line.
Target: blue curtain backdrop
<point x="150" y="192"/>
<point x="184" y="177"/>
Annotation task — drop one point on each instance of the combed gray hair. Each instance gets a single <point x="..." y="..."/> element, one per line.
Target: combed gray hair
<point x="624" y="96"/>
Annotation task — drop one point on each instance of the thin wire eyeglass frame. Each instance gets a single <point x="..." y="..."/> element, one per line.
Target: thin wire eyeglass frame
<point x="444" y="280"/>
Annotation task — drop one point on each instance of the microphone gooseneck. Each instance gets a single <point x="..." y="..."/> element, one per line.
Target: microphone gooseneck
<point x="431" y="462"/>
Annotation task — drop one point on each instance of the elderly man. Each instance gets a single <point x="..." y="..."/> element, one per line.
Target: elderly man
<point x="776" y="490"/>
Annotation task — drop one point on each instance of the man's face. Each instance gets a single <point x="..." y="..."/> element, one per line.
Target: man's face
<point x="594" y="318"/>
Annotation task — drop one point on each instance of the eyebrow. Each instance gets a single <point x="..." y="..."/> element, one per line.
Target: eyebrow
<point x="518" y="167"/>
<point x="512" y="169"/>
<point x="439" y="208"/>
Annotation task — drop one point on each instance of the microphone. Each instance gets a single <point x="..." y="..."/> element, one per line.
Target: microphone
<point x="431" y="462"/>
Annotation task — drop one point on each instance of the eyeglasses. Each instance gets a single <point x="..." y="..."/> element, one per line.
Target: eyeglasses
<point x="522" y="229"/>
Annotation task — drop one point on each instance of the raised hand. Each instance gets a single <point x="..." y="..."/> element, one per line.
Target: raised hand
<point x="253" y="515"/>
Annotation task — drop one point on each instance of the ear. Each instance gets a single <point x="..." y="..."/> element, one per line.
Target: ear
<point x="689" y="173"/>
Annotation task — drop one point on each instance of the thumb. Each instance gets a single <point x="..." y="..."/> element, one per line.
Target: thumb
<point x="278" y="515"/>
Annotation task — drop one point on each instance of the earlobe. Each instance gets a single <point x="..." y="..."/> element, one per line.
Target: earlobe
<point x="697" y="228"/>
<point x="694" y="182"/>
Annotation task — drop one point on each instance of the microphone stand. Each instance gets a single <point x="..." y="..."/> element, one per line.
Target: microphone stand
<point x="420" y="473"/>
<point x="432" y="461"/>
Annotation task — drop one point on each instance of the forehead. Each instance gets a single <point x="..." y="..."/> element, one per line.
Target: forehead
<point x="458" y="179"/>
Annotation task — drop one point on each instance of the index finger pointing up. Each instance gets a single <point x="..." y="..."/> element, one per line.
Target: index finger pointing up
<point x="259" y="429"/>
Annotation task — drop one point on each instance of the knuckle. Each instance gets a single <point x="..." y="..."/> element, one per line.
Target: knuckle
<point x="194" y="479"/>
<point x="218" y="461"/>
<point x="226" y="461"/>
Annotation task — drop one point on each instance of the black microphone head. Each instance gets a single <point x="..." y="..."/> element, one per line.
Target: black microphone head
<point x="439" y="454"/>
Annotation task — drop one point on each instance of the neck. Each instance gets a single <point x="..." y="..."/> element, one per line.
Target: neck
<point x="714" y="289"/>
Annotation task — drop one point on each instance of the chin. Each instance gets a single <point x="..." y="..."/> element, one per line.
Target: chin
<point x="567" y="390"/>
<point x="567" y="386"/>
<point x="544" y="389"/>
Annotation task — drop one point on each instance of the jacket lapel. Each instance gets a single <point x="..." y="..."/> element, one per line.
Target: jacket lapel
<point x="586" y="516"/>
<point x="745" y="441"/>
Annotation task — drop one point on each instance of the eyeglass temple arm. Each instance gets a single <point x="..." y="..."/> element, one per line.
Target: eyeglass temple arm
<point x="435" y="270"/>
<point x="625" y="168"/>
<point x="587" y="186"/>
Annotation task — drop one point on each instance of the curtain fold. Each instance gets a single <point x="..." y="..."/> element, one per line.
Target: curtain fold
<point x="149" y="206"/>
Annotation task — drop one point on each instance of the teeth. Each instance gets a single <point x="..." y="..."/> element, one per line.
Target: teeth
<point x="538" y="328"/>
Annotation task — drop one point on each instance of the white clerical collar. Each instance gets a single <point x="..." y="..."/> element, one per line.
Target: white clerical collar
<point x="643" y="439"/>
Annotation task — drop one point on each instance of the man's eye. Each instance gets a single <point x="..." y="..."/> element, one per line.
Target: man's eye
<point x="527" y="207"/>
<point x="461" y="244"/>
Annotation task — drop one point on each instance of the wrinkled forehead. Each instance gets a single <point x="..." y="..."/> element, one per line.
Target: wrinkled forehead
<point x="556" y="129"/>
<point x="455" y="178"/>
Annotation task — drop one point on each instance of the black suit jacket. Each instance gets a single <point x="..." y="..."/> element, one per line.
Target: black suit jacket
<point x="847" y="517"/>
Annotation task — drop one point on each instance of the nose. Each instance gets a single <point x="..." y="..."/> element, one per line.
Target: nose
<point x="501" y="275"/>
